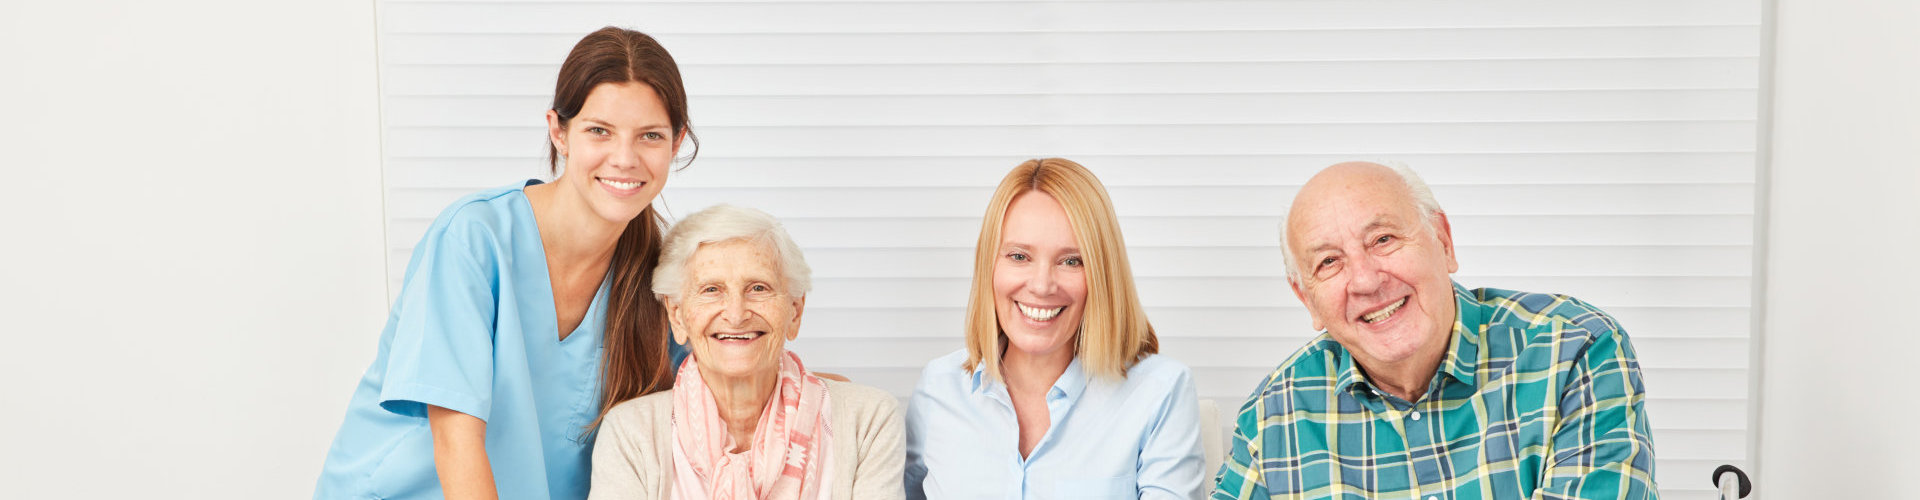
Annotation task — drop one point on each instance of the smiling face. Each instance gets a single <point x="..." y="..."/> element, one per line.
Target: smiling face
<point x="1371" y="270"/>
<point x="1039" y="284"/>
<point x="736" y="314"/>
<point x="618" y="148"/>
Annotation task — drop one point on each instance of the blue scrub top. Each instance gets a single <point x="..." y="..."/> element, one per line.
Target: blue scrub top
<point x="474" y="331"/>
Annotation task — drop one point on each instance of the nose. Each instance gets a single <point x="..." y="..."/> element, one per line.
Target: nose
<point x="625" y="156"/>
<point x="1041" y="281"/>
<point x="734" y="312"/>
<point x="1367" y="274"/>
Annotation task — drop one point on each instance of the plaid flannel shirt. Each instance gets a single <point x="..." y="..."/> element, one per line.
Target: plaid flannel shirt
<point x="1539" y="397"/>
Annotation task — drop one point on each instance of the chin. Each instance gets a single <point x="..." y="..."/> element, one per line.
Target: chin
<point x="613" y="212"/>
<point x="1397" y="347"/>
<point x="1036" y="343"/>
<point x="731" y="368"/>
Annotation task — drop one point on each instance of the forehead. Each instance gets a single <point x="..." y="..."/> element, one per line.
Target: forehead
<point x="1347" y="207"/>
<point x="1035" y="218"/>
<point x="628" y="103"/>
<point x="736" y="258"/>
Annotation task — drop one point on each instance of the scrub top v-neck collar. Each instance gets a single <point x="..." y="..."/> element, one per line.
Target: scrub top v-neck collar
<point x="599" y="294"/>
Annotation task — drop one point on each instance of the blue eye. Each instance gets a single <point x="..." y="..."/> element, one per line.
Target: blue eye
<point x="1071" y="261"/>
<point x="1017" y="257"/>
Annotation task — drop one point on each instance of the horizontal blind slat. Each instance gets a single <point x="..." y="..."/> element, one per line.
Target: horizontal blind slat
<point x="1605" y="151"/>
<point x="735" y="17"/>
<point x="1111" y="78"/>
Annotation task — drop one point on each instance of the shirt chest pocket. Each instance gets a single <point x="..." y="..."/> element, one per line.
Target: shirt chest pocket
<point x="1106" y="487"/>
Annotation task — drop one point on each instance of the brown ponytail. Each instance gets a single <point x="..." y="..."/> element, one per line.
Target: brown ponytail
<point x="634" y="360"/>
<point x="634" y="353"/>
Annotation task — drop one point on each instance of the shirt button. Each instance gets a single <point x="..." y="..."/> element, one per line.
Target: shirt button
<point x="1416" y="417"/>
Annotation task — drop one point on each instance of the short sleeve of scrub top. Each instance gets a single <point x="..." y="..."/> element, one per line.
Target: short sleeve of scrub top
<point x="474" y="331"/>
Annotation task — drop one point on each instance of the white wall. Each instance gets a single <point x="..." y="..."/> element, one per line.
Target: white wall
<point x="1843" y="244"/>
<point x="192" y="273"/>
<point x="1604" y="150"/>
<point x="192" y="256"/>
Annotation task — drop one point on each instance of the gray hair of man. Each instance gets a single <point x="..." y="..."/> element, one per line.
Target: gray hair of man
<point x="723" y="223"/>
<point x="1422" y="198"/>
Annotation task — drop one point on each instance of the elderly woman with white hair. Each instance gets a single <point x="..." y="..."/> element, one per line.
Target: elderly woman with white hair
<point x="745" y="420"/>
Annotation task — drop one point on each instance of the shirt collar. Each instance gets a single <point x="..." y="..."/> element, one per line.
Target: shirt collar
<point x="1463" y="350"/>
<point x="1069" y="386"/>
<point x="1469" y="323"/>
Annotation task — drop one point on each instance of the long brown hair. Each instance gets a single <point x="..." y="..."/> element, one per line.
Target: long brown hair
<point x="634" y="355"/>
<point x="1114" y="332"/>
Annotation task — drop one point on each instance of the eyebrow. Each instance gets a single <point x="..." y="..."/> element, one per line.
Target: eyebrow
<point x="607" y="124"/>
<point x="1378" y="222"/>
<point x="1023" y="246"/>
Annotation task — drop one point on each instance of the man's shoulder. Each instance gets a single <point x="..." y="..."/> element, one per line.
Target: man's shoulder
<point x="1315" y="364"/>
<point x="1541" y="318"/>
<point x="1531" y="310"/>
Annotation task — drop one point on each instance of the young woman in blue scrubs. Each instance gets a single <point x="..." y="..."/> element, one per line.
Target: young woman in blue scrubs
<point x="526" y="311"/>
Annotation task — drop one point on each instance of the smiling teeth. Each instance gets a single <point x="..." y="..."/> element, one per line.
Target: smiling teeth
<point x="735" y="336"/>
<point x="621" y="185"/>
<point x="1039" y="314"/>
<point x="1383" y="313"/>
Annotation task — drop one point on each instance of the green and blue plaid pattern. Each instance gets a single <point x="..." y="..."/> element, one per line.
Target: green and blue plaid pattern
<point x="1539" y="397"/>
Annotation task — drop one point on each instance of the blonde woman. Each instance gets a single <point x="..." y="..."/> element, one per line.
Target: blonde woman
<point x="1059" y="392"/>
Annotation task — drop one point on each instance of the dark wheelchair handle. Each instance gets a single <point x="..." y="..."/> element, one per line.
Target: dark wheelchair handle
<point x="1746" y="486"/>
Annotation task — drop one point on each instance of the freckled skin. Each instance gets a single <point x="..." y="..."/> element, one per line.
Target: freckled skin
<point x="732" y="287"/>
<point x="1360" y="244"/>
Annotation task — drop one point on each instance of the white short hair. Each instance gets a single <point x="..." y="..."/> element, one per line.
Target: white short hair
<point x="722" y="223"/>
<point x="1422" y="198"/>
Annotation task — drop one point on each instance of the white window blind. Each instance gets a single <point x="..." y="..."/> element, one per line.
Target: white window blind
<point x="1604" y="150"/>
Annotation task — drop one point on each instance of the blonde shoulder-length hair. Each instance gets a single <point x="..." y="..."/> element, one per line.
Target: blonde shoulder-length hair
<point x="1114" y="333"/>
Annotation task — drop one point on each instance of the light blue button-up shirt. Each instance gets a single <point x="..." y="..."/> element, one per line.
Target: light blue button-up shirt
<point x="1132" y="438"/>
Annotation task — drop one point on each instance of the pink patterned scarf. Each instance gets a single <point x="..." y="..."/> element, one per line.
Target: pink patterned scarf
<point x="791" y="455"/>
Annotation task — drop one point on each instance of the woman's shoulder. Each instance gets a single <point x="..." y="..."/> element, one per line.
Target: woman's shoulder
<point x="1157" y="365"/>
<point x="1158" y="374"/>
<point x="953" y="365"/>
<point x="860" y="398"/>
<point x="643" y="410"/>
<point x="487" y="210"/>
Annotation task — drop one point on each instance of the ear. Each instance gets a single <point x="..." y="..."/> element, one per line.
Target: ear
<point x="679" y="141"/>
<point x="1301" y="294"/>
<point x="799" y="307"/>
<point x="673" y="319"/>
<point x="1444" y="230"/>
<point x="556" y="133"/>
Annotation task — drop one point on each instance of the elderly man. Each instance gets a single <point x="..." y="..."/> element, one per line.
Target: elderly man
<point x="1421" y="388"/>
